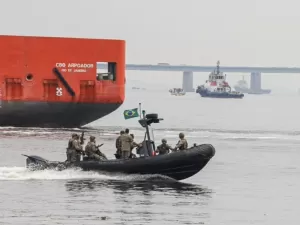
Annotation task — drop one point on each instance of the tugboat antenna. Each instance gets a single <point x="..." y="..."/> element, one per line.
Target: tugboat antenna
<point x="218" y="67"/>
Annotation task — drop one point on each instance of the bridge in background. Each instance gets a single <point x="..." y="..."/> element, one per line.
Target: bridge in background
<point x="187" y="81"/>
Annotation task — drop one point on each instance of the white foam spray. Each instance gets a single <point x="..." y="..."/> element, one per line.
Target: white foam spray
<point x="21" y="173"/>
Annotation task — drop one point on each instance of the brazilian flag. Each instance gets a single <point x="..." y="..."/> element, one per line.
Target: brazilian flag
<point x="131" y="113"/>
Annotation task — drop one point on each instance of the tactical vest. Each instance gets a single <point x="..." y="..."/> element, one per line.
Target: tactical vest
<point x="89" y="148"/>
<point x="70" y="144"/>
<point x="184" y="146"/>
<point x="163" y="149"/>
<point x="118" y="143"/>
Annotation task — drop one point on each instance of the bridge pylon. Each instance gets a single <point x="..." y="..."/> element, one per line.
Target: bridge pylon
<point x="255" y="81"/>
<point x="188" y="81"/>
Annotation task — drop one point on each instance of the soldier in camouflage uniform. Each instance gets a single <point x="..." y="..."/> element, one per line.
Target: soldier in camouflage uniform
<point x="133" y="145"/>
<point x="91" y="149"/>
<point x="77" y="149"/>
<point x="126" y="141"/>
<point x="70" y="148"/>
<point x="119" y="145"/>
<point x="164" y="148"/>
<point x="182" y="143"/>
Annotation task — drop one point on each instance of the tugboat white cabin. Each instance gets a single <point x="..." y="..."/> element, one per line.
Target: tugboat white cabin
<point x="217" y="81"/>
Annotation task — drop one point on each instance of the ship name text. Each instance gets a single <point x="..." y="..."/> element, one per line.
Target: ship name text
<point x="74" y="67"/>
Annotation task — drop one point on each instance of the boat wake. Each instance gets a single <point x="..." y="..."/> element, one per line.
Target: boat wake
<point x="77" y="180"/>
<point x="21" y="173"/>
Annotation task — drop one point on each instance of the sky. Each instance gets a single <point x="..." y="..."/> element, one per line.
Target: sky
<point x="194" y="32"/>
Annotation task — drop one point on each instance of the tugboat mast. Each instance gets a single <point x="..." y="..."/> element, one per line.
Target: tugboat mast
<point x="218" y="67"/>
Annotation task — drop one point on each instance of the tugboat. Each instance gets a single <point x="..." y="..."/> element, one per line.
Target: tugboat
<point x="177" y="91"/>
<point x="217" y="87"/>
<point x="242" y="86"/>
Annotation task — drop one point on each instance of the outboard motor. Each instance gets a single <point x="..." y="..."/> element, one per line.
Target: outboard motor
<point x="36" y="162"/>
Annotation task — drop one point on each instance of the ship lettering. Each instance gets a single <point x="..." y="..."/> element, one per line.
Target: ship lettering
<point x="60" y="65"/>
<point x="81" y="65"/>
<point x="80" y="70"/>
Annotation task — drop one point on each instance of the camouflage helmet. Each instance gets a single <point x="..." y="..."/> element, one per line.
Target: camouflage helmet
<point x="163" y="140"/>
<point x="74" y="135"/>
<point x="92" y="138"/>
<point x="181" y="135"/>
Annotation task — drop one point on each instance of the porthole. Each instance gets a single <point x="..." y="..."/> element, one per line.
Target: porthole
<point x="29" y="77"/>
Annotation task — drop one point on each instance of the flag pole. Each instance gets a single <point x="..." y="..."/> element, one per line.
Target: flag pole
<point x="140" y="109"/>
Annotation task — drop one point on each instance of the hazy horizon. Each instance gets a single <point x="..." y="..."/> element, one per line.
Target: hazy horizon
<point x="194" y="32"/>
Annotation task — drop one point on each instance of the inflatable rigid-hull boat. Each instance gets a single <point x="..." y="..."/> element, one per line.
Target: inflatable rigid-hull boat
<point x="178" y="165"/>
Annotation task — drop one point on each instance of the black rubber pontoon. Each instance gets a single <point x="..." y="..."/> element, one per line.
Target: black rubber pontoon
<point x="178" y="165"/>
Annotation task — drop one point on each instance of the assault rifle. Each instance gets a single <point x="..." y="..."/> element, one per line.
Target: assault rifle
<point x="82" y="138"/>
<point x="98" y="146"/>
<point x="98" y="152"/>
<point x="82" y="142"/>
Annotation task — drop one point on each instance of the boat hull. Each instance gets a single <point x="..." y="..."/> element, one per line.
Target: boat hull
<point x="254" y="92"/>
<point x="177" y="165"/>
<point x="52" y="115"/>
<point x="178" y="94"/>
<point x="207" y="94"/>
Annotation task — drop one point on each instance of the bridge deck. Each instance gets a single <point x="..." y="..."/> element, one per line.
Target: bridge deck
<point x="181" y="68"/>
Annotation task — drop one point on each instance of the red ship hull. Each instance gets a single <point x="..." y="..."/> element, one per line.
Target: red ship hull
<point x="53" y="82"/>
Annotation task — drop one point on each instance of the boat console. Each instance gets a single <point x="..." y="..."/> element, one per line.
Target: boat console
<point x="148" y="145"/>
